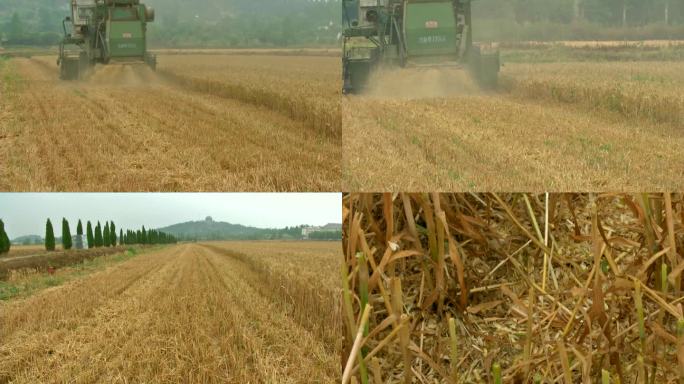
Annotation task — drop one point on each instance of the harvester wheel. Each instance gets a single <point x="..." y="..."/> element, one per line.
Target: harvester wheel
<point x="151" y="61"/>
<point x="484" y="68"/>
<point x="69" y="68"/>
<point x="347" y="87"/>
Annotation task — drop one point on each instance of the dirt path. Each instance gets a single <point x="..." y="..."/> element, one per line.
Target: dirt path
<point x="186" y="314"/>
<point x="129" y="130"/>
<point x="501" y="143"/>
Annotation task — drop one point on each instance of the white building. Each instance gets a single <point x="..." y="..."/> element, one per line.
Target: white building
<point x="330" y="227"/>
<point x="79" y="242"/>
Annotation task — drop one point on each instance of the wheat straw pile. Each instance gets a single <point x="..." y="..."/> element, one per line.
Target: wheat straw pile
<point x="513" y="288"/>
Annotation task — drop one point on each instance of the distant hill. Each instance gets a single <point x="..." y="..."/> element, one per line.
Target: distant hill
<point x="208" y="229"/>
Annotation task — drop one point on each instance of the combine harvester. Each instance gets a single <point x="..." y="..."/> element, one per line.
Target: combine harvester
<point x="104" y="31"/>
<point x="412" y="33"/>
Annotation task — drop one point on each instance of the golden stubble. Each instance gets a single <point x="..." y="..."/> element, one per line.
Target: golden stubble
<point x="190" y="313"/>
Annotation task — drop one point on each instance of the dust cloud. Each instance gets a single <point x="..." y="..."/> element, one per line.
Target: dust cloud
<point x="129" y="75"/>
<point x="421" y="83"/>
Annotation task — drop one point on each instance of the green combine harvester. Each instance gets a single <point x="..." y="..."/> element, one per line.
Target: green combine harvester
<point x="104" y="31"/>
<point x="412" y="33"/>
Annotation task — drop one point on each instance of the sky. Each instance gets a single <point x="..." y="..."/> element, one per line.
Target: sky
<point x="26" y="213"/>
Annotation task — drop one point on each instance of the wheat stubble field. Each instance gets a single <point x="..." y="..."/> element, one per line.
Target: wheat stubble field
<point x="200" y="123"/>
<point x="234" y="312"/>
<point x="584" y="118"/>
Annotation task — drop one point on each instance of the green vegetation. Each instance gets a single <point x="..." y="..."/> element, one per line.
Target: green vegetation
<point x="5" y="243"/>
<point x="105" y="235"/>
<point x="146" y="237"/>
<point x="79" y="228"/>
<point x="112" y="234"/>
<point x="49" y="236"/>
<point x="99" y="241"/>
<point x="66" y="235"/>
<point x="326" y="235"/>
<point x="89" y="235"/>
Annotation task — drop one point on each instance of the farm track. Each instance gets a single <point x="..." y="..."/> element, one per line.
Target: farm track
<point x="128" y="129"/>
<point x="503" y="142"/>
<point x="191" y="313"/>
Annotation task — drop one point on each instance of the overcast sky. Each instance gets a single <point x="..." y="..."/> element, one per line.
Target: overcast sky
<point x="25" y="213"/>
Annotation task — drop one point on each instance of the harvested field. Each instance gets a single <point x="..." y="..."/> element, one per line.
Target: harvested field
<point x="571" y="126"/>
<point x="189" y="313"/>
<point x="130" y="129"/>
<point x="563" y="288"/>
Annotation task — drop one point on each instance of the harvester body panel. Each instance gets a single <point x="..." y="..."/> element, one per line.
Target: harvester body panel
<point x="101" y="31"/>
<point x="430" y="29"/>
<point x="126" y="39"/>
<point x="411" y="33"/>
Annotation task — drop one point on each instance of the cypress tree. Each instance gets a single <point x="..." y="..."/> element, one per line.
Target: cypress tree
<point x="49" y="236"/>
<point x="122" y="241"/>
<point x="89" y="236"/>
<point x="105" y="235"/>
<point x="79" y="228"/>
<point x="112" y="235"/>
<point x="98" y="235"/>
<point x="144" y="236"/>
<point x="5" y="242"/>
<point x="66" y="235"/>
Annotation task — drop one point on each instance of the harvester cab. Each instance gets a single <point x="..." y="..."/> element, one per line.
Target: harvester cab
<point x="104" y="31"/>
<point x="412" y="33"/>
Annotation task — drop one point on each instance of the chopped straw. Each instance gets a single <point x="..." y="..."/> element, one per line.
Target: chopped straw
<point x="554" y="287"/>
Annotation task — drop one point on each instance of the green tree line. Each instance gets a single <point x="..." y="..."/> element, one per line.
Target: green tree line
<point x="99" y="236"/>
<point x="142" y="236"/>
<point x="326" y="235"/>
